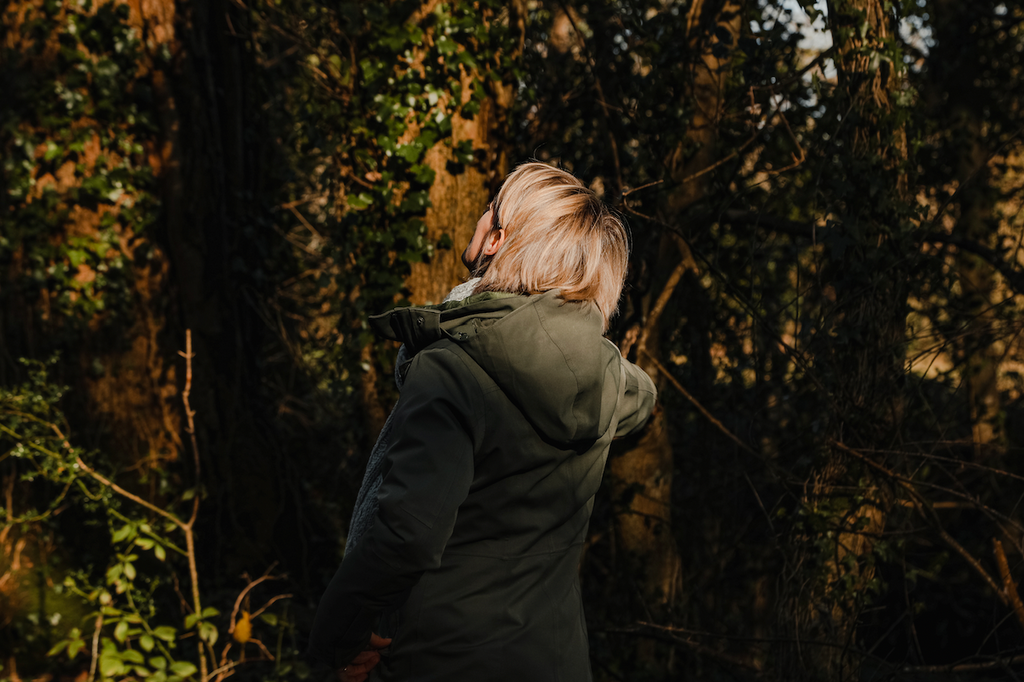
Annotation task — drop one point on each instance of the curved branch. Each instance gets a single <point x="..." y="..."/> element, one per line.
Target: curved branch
<point x="1013" y="276"/>
<point x="928" y="513"/>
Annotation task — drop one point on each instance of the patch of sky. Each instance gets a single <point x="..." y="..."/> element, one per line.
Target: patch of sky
<point x="813" y="28"/>
<point x="916" y="33"/>
<point x="816" y="37"/>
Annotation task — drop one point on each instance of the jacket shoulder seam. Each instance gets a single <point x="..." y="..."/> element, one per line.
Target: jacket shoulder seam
<point x="447" y="347"/>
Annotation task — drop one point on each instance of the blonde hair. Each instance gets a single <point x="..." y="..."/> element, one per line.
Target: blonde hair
<point x="558" y="235"/>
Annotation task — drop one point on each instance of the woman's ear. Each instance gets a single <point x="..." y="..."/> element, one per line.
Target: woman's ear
<point x="495" y="239"/>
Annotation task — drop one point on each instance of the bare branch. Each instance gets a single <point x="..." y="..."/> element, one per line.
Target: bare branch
<point x="1009" y="586"/>
<point x="190" y="543"/>
<point x="1013" y="276"/>
<point x="965" y="667"/>
<point x="269" y="602"/>
<point x="241" y="595"/>
<point x="922" y="507"/>
<point x="686" y="394"/>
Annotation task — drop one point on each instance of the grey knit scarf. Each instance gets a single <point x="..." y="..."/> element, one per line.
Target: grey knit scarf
<point x="366" y="501"/>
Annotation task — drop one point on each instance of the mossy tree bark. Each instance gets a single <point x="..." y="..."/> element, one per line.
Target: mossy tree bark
<point x="460" y="192"/>
<point x="859" y="360"/>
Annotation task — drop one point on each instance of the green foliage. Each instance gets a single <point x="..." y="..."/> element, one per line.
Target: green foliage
<point x="811" y="224"/>
<point x="73" y="130"/>
<point x="372" y="88"/>
<point x="119" y="596"/>
<point x="792" y="334"/>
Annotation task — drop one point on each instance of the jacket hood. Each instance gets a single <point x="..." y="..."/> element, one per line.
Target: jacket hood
<point x="546" y="354"/>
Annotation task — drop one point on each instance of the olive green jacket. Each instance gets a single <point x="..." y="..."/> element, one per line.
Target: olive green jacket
<point x="507" y="409"/>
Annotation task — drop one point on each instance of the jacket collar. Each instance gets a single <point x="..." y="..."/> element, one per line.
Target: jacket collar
<point x="419" y="326"/>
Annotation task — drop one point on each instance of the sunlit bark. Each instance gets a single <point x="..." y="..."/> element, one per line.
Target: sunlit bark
<point x="460" y="193"/>
<point x="122" y="373"/>
<point x="458" y="199"/>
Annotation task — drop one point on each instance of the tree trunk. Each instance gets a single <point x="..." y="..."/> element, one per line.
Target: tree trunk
<point x="458" y="200"/>
<point x="860" y="362"/>
<point x="460" y="193"/>
<point x="642" y="476"/>
<point x="118" y="356"/>
<point x="976" y="198"/>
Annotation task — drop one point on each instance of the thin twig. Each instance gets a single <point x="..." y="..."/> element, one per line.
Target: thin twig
<point x="220" y="672"/>
<point x="659" y="306"/>
<point x="189" y="414"/>
<point x="686" y="394"/>
<point x="190" y="544"/>
<point x="269" y="602"/>
<point x="245" y="591"/>
<point x="263" y="648"/>
<point x="217" y="674"/>
<point x="964" y="667"/>
<point x="134" y="498"/>
<point x="95" y="647"/>
<point x="592" y="63"/>
<point x="971" y="177"/>
<point x="796" y="160"/>
<point x="295" y="242"/>
<point x="626" y="193"/>
<point x="1009" y="586"/>
<point x="722" y="160"/>
<point x="922" y="505"/>
<point x="305" y="222"/>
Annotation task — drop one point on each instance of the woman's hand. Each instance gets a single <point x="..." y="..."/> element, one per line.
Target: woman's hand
<point x="361" y="665"/>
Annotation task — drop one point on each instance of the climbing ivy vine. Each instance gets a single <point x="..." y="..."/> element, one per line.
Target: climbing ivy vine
<point x="76" y="132"/>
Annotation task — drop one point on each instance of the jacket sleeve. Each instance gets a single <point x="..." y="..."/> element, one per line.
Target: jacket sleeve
<point x="639" y="396"/>
<point x="429" y="469"/>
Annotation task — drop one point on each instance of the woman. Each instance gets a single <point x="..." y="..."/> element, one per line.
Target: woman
<point x="509" y="400"/>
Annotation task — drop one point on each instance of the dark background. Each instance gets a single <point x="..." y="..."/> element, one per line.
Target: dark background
<point x="825" y="208"/>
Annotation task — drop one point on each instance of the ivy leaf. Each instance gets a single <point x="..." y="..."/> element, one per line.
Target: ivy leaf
<point x="121" y="631"/>
<point x="464" y="151"/>
<point x="423" y="173"/>
<point x="77" y="257"/>
<point x="57" y="648"/>
<point x="410" y="152"/>
<point x="183" y="668"/>
<point x="467" y="59"/>
<point x="208" y="633"/>
<point x="111" y="664"/>
<point x="446" y="45"/>
<point x="147" y="642"/>
<point x="359" y="202"/>
<point x="165" y="632"/>
<point x="52" y="151"/>
<point x="415" y="202"/>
